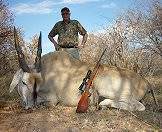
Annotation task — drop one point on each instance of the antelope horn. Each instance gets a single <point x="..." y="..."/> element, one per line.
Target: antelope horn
<point x="38" y="57"/>
<point x="21" y="57"/>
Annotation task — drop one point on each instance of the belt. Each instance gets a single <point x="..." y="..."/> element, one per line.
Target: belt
<point x="67" y="46"/>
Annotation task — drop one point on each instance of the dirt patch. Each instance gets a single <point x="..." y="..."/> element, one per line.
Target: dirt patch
<point x="61" y="118"/>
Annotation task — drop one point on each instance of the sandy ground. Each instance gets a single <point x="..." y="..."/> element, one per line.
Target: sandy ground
<point x="59" y="118"/>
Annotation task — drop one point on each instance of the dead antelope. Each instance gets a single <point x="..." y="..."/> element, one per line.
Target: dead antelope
<point x="63" y="74"/>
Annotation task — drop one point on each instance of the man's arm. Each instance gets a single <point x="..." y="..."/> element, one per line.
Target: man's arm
<point x="84" y="40"/>
<point x="82" y="32"/>
<point x="52" y="34"/>
<point x="54" y="42"/>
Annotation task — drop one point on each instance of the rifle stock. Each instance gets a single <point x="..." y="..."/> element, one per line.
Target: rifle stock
<point x="84" y="100"/>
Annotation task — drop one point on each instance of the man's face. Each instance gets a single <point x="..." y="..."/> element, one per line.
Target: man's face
<point x="65" y="15"/>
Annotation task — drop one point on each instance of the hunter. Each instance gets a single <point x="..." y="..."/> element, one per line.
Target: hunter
<point x="67" y="31"/>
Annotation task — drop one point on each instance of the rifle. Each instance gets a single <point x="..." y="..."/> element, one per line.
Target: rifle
<point x="82" y="86"/>
<point x="84" y="100"/>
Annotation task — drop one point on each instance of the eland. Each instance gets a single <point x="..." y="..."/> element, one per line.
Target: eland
<point x="56" y="76"/>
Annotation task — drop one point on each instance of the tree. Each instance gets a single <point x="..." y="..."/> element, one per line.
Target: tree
<point x="147" y="25"/>
<point x="6" y="21"/>
<point x="131" y="41"/>
<point x="6" y="40"/>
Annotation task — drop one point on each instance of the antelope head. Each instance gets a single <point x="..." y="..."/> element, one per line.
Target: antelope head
<point x="27" y="78"/>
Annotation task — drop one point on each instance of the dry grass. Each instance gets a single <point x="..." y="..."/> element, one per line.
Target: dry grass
<point x="4" y="88"/>
<point x="60" y="118"/>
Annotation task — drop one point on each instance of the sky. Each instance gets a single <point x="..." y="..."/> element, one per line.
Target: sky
<point x="34" y="16"/>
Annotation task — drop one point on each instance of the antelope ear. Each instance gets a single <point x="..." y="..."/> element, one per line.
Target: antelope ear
<point x="21" y="57"/>
<point x="39" y="52"/>
<point x="18" y="75"/>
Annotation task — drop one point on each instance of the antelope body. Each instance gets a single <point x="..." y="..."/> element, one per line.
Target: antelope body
<point x="61" y="75"/>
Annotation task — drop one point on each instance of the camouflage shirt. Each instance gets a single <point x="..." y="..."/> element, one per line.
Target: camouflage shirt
<point x="67" y="33"/>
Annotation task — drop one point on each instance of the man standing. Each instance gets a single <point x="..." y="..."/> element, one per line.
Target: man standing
<point x="67" y="31"/>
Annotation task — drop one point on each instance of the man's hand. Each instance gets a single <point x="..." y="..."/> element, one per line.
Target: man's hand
<point x="81" y="45"/>
<point x="57" y="47"/>
<point x="54" y="42"/>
